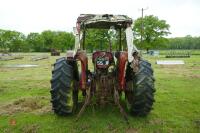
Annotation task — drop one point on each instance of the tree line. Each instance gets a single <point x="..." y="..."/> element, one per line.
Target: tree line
<point x="149" y="33"/>
<point x="187" y="42"/>
<point x="14" y="41"/>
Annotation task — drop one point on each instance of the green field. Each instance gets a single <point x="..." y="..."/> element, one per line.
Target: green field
<point x="25" y="102"/>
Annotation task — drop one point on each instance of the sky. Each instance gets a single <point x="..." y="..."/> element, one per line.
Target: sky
<point x="27" y="16"/>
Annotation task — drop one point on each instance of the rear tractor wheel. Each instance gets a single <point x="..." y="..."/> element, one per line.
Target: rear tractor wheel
<point x="64" y="94"/>
<point x="140" y="91"/>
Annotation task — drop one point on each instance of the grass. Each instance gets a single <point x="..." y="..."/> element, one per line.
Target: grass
<point x="25" y="106"/>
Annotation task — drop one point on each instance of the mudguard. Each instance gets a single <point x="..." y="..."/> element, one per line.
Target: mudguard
<point x="82" y="57"/>
<point x="123" y="58"/>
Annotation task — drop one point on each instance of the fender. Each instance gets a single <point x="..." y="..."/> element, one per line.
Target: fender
<point x="82" y="57"/>
<point x="123" y="58"/>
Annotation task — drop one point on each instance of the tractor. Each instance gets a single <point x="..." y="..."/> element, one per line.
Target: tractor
<point x="116" y="72"/>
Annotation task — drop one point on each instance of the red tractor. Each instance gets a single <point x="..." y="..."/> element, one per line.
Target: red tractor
<point x="114" y="72"/>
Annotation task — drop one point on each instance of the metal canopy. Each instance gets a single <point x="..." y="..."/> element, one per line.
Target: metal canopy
<point x="103" y="21"/>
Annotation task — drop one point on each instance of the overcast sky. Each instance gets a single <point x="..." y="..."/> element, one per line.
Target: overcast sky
<point x="38" y="15"/>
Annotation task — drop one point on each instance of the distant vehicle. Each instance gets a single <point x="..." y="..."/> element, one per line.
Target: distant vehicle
<point x="153" y="52"/>
<point x="55" y="52"/>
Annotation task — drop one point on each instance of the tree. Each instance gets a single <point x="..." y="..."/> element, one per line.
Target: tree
<point x="187" y="42"/>
<point x="57" y="40"/>
<point x="100" y="39"/>
<point x="48" y="37"/>
<point x="3" y="46"/>
<point x="63" y="40"/>
<point x="35" y="41"/>
<point x="12" y="41"/>
<point x="153" y="32"/>
<point x="17" y="42"/>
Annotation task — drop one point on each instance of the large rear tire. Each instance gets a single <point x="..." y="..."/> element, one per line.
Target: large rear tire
<point x="64" y="95"/>
<point x="140" y="91"/>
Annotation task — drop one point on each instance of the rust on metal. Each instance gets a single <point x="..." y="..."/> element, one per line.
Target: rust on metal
<point x="81" y="56"/>
<point x="123" y="58"/>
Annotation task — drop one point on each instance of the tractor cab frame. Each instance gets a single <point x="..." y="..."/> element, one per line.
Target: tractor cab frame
<point x="106" y="21"/>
